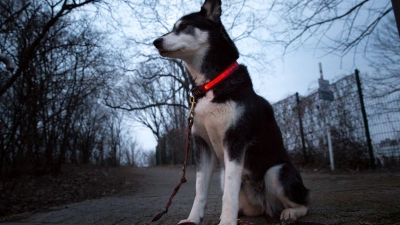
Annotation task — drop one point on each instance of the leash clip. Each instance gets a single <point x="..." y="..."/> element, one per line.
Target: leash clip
<point x="192" y="104"/>
<point x="198" y="92"/>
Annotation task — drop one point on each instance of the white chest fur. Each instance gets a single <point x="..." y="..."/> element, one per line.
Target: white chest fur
<point x="212" y="120"/>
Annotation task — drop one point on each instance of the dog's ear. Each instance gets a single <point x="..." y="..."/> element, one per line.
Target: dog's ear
<point x="212" y="10"/>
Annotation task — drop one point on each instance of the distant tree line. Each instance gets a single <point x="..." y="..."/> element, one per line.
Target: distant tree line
<point x="51" y="105"/>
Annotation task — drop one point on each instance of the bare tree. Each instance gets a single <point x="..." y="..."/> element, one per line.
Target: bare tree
<point x="50" y="113"/>
<point x="58" y="10"/>
<point x="384" y="58"/>
<point x="157" y="94"/>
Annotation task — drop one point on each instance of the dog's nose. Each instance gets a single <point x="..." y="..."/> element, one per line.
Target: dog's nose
<point x="158" y="42"/>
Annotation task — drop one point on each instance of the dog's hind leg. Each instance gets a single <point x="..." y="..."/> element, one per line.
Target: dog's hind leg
<point x="285" y="189"/>
<point x="296" y="195"/>
<point x="206" y="161"/>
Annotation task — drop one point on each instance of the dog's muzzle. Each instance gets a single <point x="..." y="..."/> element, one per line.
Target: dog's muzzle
<point x="158" y="43"/>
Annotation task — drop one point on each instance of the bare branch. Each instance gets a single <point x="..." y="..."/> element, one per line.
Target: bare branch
<point x="155" y="105"/>
<point x="339" y="25"/>
<point x="30" y="51"/>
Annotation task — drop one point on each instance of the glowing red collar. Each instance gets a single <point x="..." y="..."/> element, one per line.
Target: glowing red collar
<point x="201" y="90"/>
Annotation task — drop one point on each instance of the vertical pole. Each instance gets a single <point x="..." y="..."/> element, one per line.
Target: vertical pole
<point x="365" y="119"/>
<point x="330" y="147"/>
<point x="396" y="11"/>
<point x="301" y="129"/>
<point x="320" y="71"/>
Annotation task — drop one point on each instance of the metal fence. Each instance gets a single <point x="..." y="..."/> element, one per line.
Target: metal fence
<point x="306" y="120"/>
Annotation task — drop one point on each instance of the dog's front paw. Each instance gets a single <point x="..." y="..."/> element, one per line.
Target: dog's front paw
<point x="187" y="222"/>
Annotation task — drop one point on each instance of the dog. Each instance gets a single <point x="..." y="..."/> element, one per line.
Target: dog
<point x="232" y="125"/>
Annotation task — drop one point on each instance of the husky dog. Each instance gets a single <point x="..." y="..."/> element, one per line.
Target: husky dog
<point x="234" y="125"/>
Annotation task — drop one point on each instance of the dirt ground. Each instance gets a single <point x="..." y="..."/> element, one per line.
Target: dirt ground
<point x="340" y="198"/>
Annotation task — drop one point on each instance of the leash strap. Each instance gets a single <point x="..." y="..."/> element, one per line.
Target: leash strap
<point x="183" y="178"/>
<point x="296" y="222"/>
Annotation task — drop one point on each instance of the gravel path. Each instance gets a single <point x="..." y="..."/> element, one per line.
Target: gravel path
<point x="361" y="198"/>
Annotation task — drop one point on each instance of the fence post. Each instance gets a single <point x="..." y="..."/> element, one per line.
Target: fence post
<point x="301" y="129"/>
<point x="365" y="119"/>
<point x="396" y="11"/>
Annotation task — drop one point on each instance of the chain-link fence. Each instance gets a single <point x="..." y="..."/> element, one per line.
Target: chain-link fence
<point x="305" y="121"/>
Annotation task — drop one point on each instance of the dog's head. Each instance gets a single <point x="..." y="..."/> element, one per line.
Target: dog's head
<point x="197" y="35"/>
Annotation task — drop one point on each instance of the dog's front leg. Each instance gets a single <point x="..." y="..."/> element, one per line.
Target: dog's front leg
<point x="231" y="188"/>
<point x="206" y="161"/>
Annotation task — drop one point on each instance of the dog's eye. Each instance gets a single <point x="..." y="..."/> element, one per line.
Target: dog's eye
<point x="182" y="26"/>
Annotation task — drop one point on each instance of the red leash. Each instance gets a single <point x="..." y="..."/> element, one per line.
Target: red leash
<point x="287" y="222"/>
<point x="183" y="178"/>
<point x="296" y="222"/>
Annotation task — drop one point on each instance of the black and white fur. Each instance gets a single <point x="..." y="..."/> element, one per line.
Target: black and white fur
<point x="234" y="125"/>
